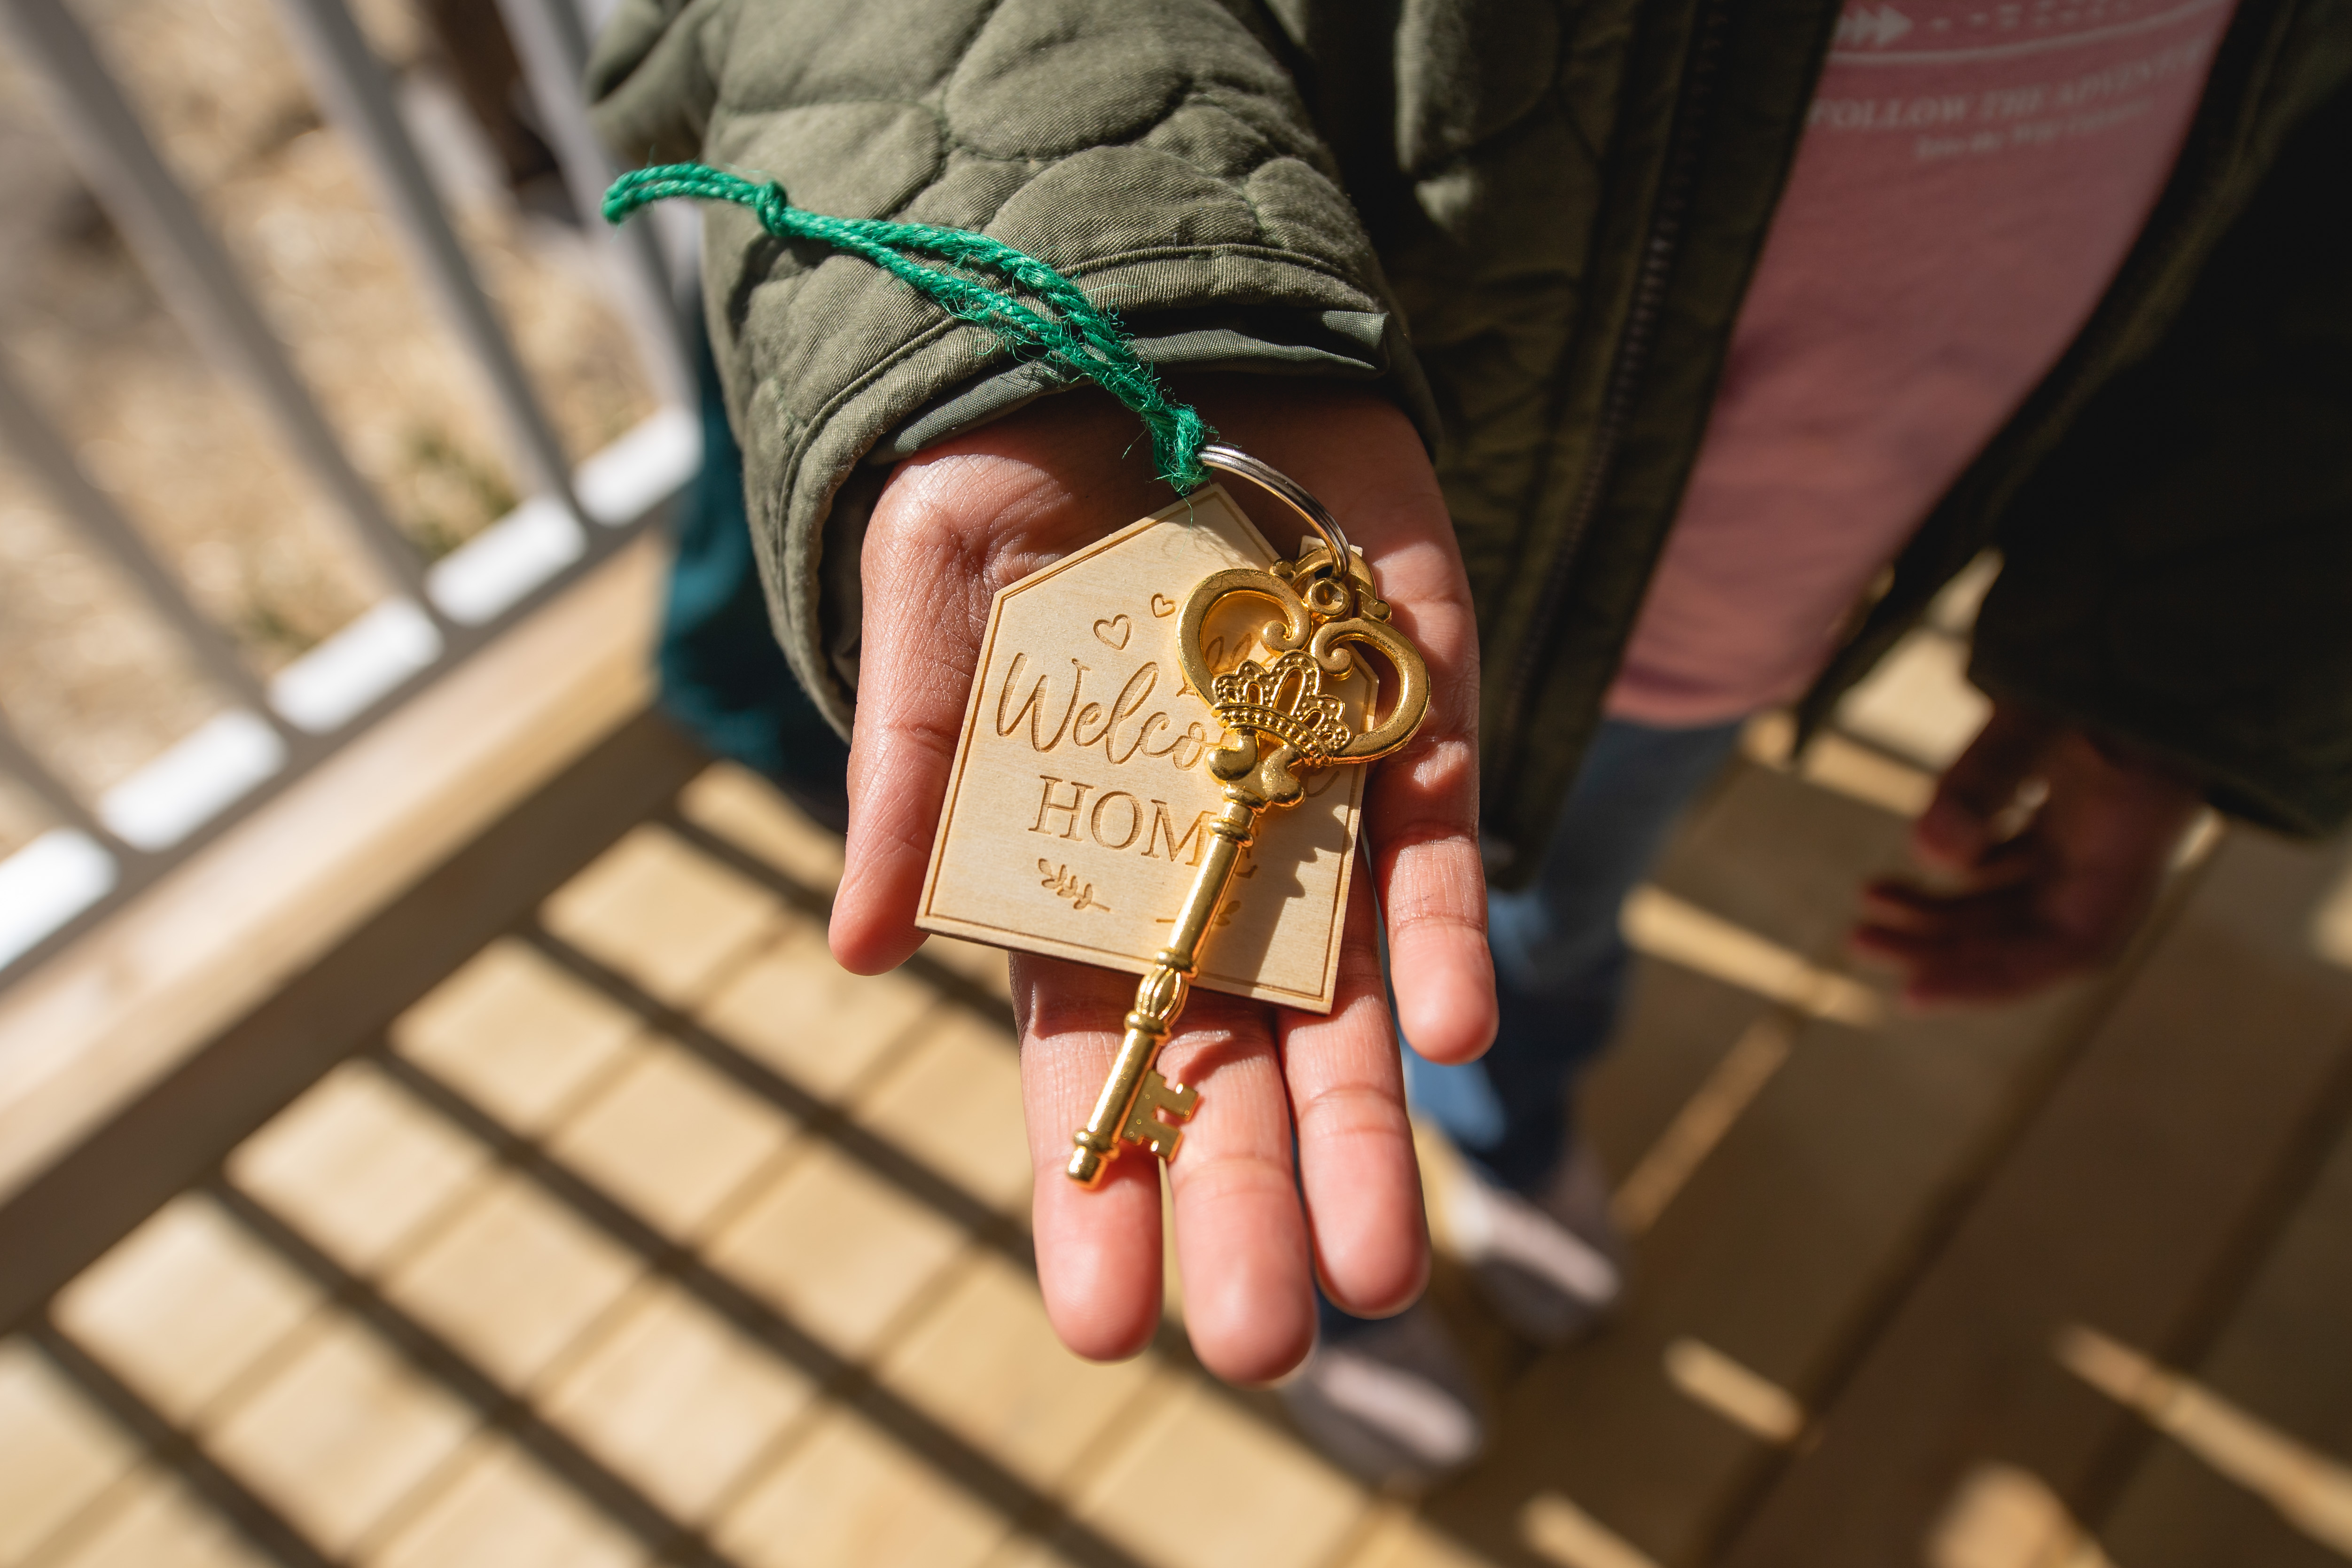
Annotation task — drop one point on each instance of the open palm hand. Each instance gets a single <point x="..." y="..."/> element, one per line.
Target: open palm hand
<point x="1299" y="1164"/>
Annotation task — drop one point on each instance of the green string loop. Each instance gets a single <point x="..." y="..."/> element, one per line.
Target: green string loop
<point x="1076" y="333"/>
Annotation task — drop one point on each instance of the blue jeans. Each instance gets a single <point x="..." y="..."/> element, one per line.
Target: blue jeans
<point x="1559" y="962"/>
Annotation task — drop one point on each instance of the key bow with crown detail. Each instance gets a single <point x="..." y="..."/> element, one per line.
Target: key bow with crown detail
<point x="1282" y="718"/>
<point x="1286" y="700"/>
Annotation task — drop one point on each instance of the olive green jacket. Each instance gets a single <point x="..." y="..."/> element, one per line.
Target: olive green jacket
<point x="1533" y="223"/>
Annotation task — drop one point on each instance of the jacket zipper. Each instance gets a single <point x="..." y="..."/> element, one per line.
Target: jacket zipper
<point x="1630" y="359"/>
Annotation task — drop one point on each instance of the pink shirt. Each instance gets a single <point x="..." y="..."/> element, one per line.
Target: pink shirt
<point x="1971" y="177"/>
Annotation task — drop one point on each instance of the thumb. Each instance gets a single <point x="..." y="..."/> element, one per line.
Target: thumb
<point x="1963" y="823"/>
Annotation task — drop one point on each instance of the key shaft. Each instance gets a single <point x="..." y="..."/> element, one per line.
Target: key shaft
<point x="1159" y="998"/>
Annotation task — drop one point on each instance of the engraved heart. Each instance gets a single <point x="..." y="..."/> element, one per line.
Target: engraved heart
<point x="1115" y="632"/>
<point x="1162" y="606"/>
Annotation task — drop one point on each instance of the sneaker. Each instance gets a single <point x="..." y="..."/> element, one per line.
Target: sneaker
<point x="1392" y="1402"/>
<point x="1551" y="1268"/>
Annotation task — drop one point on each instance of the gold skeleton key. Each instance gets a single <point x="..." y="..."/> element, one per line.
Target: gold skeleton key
<point x="1283" y="721"/>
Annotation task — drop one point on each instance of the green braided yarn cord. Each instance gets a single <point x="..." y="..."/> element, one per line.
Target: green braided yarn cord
<point x="1077" y="334"/>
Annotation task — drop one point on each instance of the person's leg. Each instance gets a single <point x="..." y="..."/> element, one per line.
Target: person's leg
<point x="1393" y="1399"/>
<point x="723" y="678"/>
<point x="1559" y="962"/>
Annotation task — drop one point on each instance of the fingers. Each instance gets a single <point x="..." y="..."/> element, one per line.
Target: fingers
<point x="1361" y="457"/>
<point x="1892" y="904"/>
<point x="1976" y="946"/>
<point x="1098" y="1252"/>
<point x="953" y="526"/>
<point x="2058" y="900"/>
<point x="1420" y="819"/>
<point x="1994" y="941"/>
<point x="1421" y="812"/>
<point x="1357" y="1166"/>
<point x="1245" y="1249"/>
<point x="1241" y="1240"/>
<point x="1967" y="815"/>
<point x="910" y="702"/>
<point x="1239" y="1237"/>
<point x="2011" y="863"/>
<point x="1947" y="968"/>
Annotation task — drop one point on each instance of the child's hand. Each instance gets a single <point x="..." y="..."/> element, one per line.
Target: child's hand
<point x="961" y="521"/>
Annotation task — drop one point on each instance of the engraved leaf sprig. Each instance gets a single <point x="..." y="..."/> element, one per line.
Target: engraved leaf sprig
<point x="1065" y="885"/>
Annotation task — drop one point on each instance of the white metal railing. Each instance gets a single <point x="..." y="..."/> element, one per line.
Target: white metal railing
<point x="101" y="851"/>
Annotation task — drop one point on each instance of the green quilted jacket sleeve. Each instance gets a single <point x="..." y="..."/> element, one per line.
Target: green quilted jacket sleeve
<point x="1153" y="150"/>
<point x="2181" y="572"/>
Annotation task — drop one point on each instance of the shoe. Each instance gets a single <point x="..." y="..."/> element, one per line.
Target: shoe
<point x="1392" y="1402"/>
<point x="1551" y="1268"/>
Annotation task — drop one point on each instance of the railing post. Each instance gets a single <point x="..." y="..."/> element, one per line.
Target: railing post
<point x="36" y="444"/>
<point x="104" y="851"/>
<point x="187" y="264"/>
<point x="553" y="45"/>
<point x="355" y="91"/>
<point x="17" y="759"/>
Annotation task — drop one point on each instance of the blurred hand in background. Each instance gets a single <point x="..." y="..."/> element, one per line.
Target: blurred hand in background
<point x="2043" y="847"/>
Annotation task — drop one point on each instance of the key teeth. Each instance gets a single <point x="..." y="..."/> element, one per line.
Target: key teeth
<point x="1147" y="1129"/>
<point x="1173" y="1098"/>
